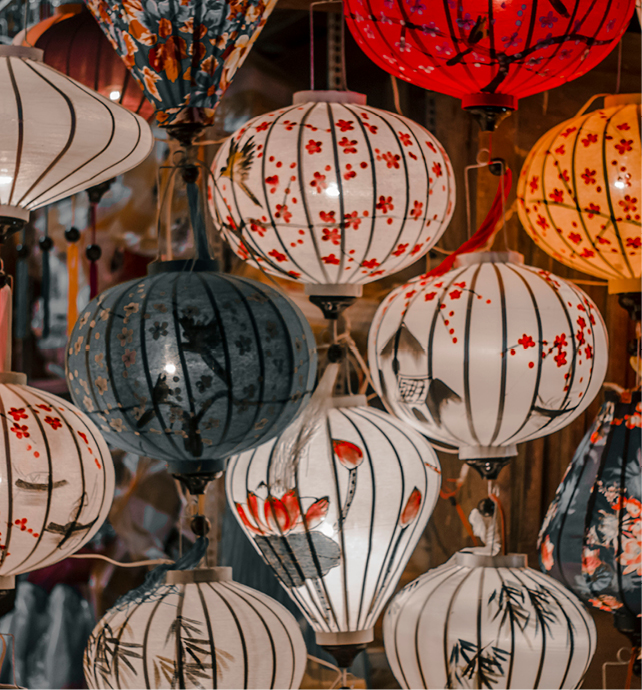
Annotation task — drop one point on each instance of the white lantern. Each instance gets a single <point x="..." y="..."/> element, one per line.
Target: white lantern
<point x="332" y="193"/>
<point x="489" y="355"/>
<point x="487" y="622"/>
<point x="199" y="629"/>
<point x="58" y="137"/>
<point x="338" y="518"/>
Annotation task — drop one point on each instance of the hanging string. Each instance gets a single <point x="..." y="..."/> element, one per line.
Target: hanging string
<point x="395" y="94"/>
<point x="21" y="319"/>
<point x="619" y="67"/>
<point x="45" y="247"/>
<point x="93" y="251"/>
<point x="72" y="235"/>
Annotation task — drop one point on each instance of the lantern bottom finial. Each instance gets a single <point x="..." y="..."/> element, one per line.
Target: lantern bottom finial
<point x="488" y="468"/>
<point x="344" y="654"/>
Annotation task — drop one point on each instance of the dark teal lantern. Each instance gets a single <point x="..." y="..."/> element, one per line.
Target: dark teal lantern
<point x="190" y="366"/>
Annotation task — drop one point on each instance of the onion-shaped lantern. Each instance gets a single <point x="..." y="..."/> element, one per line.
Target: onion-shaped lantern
<point x="198" y="629"/>
<point x="59" y="137"/>
<point x="336" y="509"/>
<point x="75" y="45"/>
<point x="590" y="539"/>
<point x="189" y="365"/>
<point x="489" y="355"/>
<point x="487" y="622"/>
<point x="579" y="193"/>
<point x="332" y="193"/>
<point x="488" y="54"/>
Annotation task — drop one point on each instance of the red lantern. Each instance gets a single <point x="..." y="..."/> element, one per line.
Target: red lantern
<point x="75" y="45"/>
<point x="489" y="54"/>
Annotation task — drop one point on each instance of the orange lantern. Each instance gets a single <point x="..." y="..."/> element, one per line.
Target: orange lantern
<point x="579" y="194"/>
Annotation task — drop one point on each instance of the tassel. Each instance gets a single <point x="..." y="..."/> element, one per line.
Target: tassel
<point x="72" y="235"/>
<point x="200" y="236"/>
<point x="46" y="245"/>
<point x="93" y="253"/>
<point x="21" y="320"/>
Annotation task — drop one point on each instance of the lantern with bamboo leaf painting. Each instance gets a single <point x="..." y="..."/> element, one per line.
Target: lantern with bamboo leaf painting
<point x="335" y="506"/>
<point x="489" y="54"/>
<point x="491" y="354"/>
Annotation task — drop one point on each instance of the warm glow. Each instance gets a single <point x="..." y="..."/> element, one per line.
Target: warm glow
<point x="332" y="189"/>
<point x="114" y="95"/>
<point x="170" y="369"/>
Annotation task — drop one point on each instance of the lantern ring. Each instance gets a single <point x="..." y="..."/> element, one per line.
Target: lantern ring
<point x="476" y="560"/>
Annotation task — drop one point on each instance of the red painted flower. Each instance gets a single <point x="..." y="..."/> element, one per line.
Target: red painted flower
<point x="417" y="210"/>
<point x="344" y="125"/>
<point x="436" y="168"/>
<point x="589" y="139"/>
<point x="83" y="436"/>
<point x="628" y="204"/>
<point x="430" y="296"/>
<point x="567" y="131"/>
<point x="416" y="249"/>
<point x="327" y="216"/>
<point x="18" y="413"/>
<point x="534" y="183"/>
<point x="592" y="209"/>
<point x="526" y="341"/>
<point x="557" y="195"/>
<point x="262" y="127"/>
<point x="44" y="407"/>
<point x="385" y="204"/>
<point x="332" y="235"/>
<point x="54" y="422"/>
<point x="352" y="220"/>
<point x="313" y="146"/>
<point x="401" y="249"/>
<point x="277" y="255"/>
<point x="542" y="222"/>
<point x="588" y="176"/>
<point x="392" y="159"/>
<point x="404" y="138"/>
<point x="318" y="182"/>
<point x="20" y="431"/>
<point x="259" y="228"/>
<point x="454" y="294"/>
<point x="587" y="253"/>
<point x="411" y="510"/>
<point x="560" y="358"/>
<point x="331" y="259"/>
<point x="575" y="237"/>
<point x="282" y="212"/>
<point x="278" y="516"/>
<point x="624" y="146"/>
<point x="272" y="181"/>
<point x="560" y="340"/>
<point x="370" y="263"/>
<point x="349" y="454"/>
<point x="634" y="242"/>
<point x="348" y="145"/>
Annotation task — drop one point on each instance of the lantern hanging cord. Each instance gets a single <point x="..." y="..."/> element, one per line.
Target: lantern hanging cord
<point x="120" y="564"/>
<point x="618" y="78"/>
<point x="395" y="94"/>
<point x="343" y="59"/>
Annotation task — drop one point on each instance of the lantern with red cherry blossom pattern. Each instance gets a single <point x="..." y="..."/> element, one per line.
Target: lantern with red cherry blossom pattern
<point x="489" y="355"/>
<point x="332" y="193"/>
<point x="580" y="195"/>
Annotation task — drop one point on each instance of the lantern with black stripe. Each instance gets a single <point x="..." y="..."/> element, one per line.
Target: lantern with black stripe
<point x="189" y="365"/>
<point x="487" y="622"/>
<point x="336" y="507"/>
<point x="199" y="629"/>
<point x="332" y="193"/>
<point x="489" y="355"/>
<point x="56" y="474"/>
<point x="58" y="136"/>
<point x="590" y="539"/>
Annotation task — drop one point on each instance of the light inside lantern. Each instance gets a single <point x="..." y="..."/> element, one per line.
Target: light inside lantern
<point x="170" y="368"/>
<point x="114" y="95"/>
<point x="332" y="189"/>
<point x="5" y="177"/>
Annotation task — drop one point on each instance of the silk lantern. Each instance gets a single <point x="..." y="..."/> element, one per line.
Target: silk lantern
<point x="336" y="510"/>
<point x="579" y="193"/>
<point x="332" y="193"/>
<point x="58" y="136"/>
<point x="74" y="44"/>
<point x="189" y="365"/>
<point x="487" y="622"/>
<point x="198" y="629"/>
<point x="489" y="355"/>
<point x="488" y="54"/>
<point x="590" y="539"/>
<point x="56" y="477"/>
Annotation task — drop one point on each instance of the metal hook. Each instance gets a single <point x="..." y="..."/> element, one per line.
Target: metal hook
<point x="343" y="52"/>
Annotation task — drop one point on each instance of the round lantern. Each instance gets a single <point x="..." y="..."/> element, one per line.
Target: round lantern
<point x="189" y="365"/>
<point x="489" y="355"/>
<point x="56" y="481"/>
<point x="579" y="193"/>
<point x="332" y="193"/>
<point x="199" y="629"/>
<point x="488" y="54"/>
<point x="60" y="137"/>
<point x="337" y="512"/>
<point x="74" y="44"/>
<point x="590" y="539"/>
<point x="487" y="622"/>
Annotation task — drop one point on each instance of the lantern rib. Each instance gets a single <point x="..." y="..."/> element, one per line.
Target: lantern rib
<point x="511" y="663"/>
<point x="459" y="56"/>
<point x="453" y="596"/>
<point x="480" y="593"/>
<point x="504" y="364"/>
<point x="148" y="627"/>
<point x="9" y="477"/>
<point x="210" y="636"/>
<point x="179" y="672"/>
<point x="21" y="127"/>
<point x="466" y="362"/>
<point x="116" y="657"/>
<point x="337" y="172"/>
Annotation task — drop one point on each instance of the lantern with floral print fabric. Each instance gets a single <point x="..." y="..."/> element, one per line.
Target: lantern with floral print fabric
<point x="337" y="512"/>
<point x="489" y="54"/>
<point x="580" y="194"/>
<point x="332" y="193"/>
<point x="189" y="365"/>
<point x="591" y="537"/>
<point x="483" y="621"/>
<point x="489" y="355"/>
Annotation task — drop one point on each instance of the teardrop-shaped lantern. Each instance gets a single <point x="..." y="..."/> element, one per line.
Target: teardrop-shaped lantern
<point x="199" y="629"/>
<point x="489" y="355"/>
<point x="337" y="512"/>
<point x="487" y="622"/>
<point x="590" y="539"/>
<point x="58" y="137"/>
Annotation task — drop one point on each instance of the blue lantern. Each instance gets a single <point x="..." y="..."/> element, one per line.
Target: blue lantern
<point x="190" y="366"/>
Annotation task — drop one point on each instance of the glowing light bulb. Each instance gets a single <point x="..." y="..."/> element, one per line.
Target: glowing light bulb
<point x="332" y="189"/>
<point x="620" y="184"/>
<point x="114" y="95"/>
<point x="170" y="368"/>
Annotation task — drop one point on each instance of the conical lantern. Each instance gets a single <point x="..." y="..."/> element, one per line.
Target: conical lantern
<point x="332" y="193"/>
<point x="489" y="355"/>
<point x="487" y="622"/>
<point x="189" y="365"/>
<point x="58" y="136"/>
<point x="580" y="193"/>
<point x="198" y="629"/>
<point x="590" y="539"/>
<point x="336" y="509"/>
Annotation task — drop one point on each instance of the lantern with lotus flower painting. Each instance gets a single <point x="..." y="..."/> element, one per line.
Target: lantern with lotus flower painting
<point x="591" y="537"/>
<point x="489" y="355"/>
<point x="580" y="195"/>
<point x="331" y="193"/>
<point x="336" y="506"/>
<point x="489" y="54"/>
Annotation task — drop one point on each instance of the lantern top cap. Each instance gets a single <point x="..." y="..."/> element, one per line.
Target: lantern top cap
<point x="14" y="377"/>
<point x="473" y="258"/>
<point x="350" y="401"/>
<point x="622" y="99"/>
<point x="189" y="577"/>
<point x="23" y="52"/>
<point x="329" y="97"/>
<point x="182" y="266"/>
<point x="474" y="560"/>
